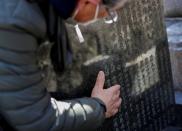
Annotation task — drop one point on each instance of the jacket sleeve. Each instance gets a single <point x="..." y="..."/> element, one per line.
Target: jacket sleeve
<point x="24" y="100"/>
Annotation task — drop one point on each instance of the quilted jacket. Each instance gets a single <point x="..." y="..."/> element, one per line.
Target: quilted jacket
<point x="24" y="100"/>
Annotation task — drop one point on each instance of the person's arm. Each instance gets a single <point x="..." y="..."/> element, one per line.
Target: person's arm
<point x="24" y="101"/>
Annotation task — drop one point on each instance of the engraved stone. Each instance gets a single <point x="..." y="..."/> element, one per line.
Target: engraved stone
<point x="133" y="52"/>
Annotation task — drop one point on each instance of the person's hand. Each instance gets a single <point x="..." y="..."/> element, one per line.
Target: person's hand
<point x="110" y="96"/>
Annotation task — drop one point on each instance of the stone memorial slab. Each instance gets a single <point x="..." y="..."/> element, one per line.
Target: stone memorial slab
<point x="133" y="52"/>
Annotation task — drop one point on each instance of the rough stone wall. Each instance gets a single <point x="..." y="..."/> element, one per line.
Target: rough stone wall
<point x="132" y="52"/>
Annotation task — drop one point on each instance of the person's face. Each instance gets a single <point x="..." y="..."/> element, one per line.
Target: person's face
<point x="88" y="11"/>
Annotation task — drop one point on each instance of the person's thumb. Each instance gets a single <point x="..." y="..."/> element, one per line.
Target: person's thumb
<point x="100" y="80"/>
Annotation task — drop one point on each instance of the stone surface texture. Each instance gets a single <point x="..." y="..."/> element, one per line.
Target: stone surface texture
<point x="133" y="52"/>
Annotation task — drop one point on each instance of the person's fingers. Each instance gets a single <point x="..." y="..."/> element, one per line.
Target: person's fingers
<point x="115" y="89"/>
<point x="108" y="114"/>
<point x="114" y="108"/>
<point x="118" y="103"/>
<point x="116" y="96"/>
<point x="100" y="80"/>
<point x="114" y="112"/>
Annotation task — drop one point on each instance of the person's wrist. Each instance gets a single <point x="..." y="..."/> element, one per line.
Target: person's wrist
<point x="102" y="104"/>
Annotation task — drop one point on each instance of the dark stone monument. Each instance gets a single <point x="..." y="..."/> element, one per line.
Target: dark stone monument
<point x="132" y="52"/>
<point x="145" y="73"/>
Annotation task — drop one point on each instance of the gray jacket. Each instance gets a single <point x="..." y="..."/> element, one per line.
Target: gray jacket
<point x="24" y="101"/>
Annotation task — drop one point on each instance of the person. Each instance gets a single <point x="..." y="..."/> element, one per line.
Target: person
<point x="24" y="101"/>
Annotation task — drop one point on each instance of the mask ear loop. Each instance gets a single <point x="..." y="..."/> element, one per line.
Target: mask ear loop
<point x="97" y="11"/>
<point x="77" y="29"/>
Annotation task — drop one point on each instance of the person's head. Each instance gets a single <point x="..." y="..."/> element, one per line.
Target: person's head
<point x="87" y="10"/>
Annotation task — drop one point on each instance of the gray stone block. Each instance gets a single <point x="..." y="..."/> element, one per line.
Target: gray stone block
<point x="133" y="52"/>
